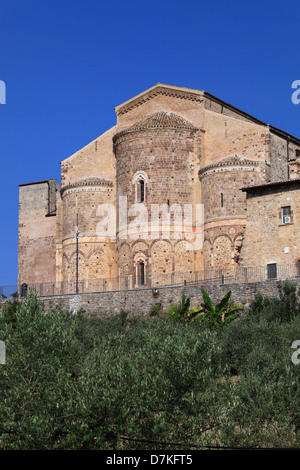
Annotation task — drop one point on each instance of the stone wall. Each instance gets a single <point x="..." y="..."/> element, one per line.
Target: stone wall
<point x="95" y="159"/>
<point x="226" y="136"/>
<point x="37" y="231"/>
<point x="160" y="152"/>
<point x="278" y="158"/>
<point x="267" y="239"/>
<point x="84" y="206"/>
<point x="225" y="208"/>
<point x="138" y="302"/>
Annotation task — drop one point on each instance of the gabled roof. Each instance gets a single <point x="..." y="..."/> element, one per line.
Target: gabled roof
<point x="195" y="95"/>
<point x="155" y="90"/>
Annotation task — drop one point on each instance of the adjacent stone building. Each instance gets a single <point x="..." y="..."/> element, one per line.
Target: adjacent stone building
<point x="272" y="235"/>
<point x="158" y="198"/>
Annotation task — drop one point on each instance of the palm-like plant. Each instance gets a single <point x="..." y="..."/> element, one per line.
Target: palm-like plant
<point x="219" y="316"/>
<point x="222" y="313"/>
<point x="183" y="312"/>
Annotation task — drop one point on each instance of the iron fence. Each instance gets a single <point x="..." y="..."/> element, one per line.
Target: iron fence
<point x="8" y="292"/>
<point x="240" y="275"/>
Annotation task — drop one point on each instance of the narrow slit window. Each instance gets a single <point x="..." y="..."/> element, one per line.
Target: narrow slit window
<point x="142" y="190"/>
<point x="141" y="273"/>
<point x="222" y="200"/>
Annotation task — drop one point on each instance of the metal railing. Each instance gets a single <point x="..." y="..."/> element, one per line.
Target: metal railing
<point x="240" y="275"/>
<point x="8" y="292"/>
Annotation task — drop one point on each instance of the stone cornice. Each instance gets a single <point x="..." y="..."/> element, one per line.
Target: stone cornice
<point x="229" y="162"/>
<point x="86" y="183"/>
<point x="159" y="121"/>
<point x="159" y="89"/>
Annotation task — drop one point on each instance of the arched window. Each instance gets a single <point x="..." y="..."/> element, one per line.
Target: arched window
<point x="142" y="190"/>
<point x="140" y="187"/>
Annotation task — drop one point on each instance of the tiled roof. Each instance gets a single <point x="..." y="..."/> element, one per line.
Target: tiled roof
<point x="230" y="161"/>
<point x="272" y="184"/>
<point x="160" y="120"/>
<point x="91" y="181"/>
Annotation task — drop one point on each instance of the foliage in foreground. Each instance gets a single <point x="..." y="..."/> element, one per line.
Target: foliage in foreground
<point x="74" y="381"/>
<point x="207" y="314"/>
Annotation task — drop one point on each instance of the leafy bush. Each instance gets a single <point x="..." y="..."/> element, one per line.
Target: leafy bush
<point x="76" y="381"/>
<point x="155" y="310"/>
<point x="9" y="311"/>
<point x="220" y="315"/>
<point x="283" y="309"/>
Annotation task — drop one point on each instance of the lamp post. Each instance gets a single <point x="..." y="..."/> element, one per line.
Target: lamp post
<point x="77" y="235"/>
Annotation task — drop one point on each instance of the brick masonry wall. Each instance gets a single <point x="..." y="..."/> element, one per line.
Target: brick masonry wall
<point x="139" y="302"/>
<point x="97" y="253"/>
<point x="226" y="136"/>
<point x="95" y="159"/>
<point x="278" y="158"/>
<point x="166" y="159"/>
<point x="225" y="209"/>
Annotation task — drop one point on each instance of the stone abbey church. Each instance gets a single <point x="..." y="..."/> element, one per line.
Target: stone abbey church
<point x="173" y="150"/>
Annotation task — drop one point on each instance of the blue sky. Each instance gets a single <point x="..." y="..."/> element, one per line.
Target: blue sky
<point x="67" y="64"/>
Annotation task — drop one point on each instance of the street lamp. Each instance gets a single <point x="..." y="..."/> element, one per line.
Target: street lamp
<point x="77" y="235"/>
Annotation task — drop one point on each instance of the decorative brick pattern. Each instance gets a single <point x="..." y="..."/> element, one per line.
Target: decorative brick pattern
<point x="171" y="146"/>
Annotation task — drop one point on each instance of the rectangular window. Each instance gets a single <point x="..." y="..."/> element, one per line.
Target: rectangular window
<point x="286" y="215"/>
<point x="272" y="271"/>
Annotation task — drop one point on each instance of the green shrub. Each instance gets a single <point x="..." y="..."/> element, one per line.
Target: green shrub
<point x="155" y="310"/>
<point x="283" y="309"/>
<point x="220" y="315"/>
<point x="76" y="381"/>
